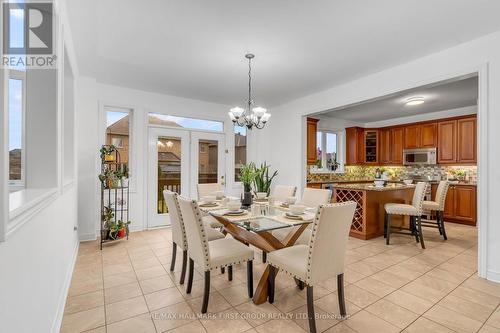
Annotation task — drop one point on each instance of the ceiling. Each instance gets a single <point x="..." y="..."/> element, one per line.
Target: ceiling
<point x="195" y="48"/>
<point x="440" y="96"/>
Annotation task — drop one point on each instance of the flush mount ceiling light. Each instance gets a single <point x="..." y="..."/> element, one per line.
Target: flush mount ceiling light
<point x="251" y="116"/>
<point x="414" y="101"/>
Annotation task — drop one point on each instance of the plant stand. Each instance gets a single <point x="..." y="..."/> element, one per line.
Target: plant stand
<point x="114" y="196"/>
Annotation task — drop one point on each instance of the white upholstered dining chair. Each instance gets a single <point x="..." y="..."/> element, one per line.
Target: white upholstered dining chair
<point x="437" y="206"/>
<point x="321" y="259"/>
<point x="212" y="255"/>
<point x="281" y="192"/>
<point x="414" y="211"/>
<point x="179" y="233"/>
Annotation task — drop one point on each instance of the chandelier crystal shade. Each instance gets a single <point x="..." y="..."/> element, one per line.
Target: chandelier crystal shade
<point x="252" y="116"/>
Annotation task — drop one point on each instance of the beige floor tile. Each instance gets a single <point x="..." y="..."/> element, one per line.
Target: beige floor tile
<point x="235" y="295"/>
<point x="340" y="328"/>
<point x="163" y="298"/>
<point x="172" y="316"/>
<point x="483" y="285"/>
<point x="494" y="320"/>
<point x="193" y="327"/>
<point x="229" y="321"/>
<point x="83" y="320"/>
<point x="488" y="329"/>
<point x="119" y="279"/>
<point x="477" y="296"/>
<point x="452" y="319"/>
<point x="257" y="315"/>
<point x="280" y="326"/>
<point x="145" y="263"/>
<point x="466" y="308"/>
<point x="123" y="292"/>
<point x="359" y="296"/>
<point x="392" y="313"/>
<point x="364" y="321"/>
<point x="101" y="329"/>
<point x="148" y="273"/>
<point x="79" y="287"/>
<point x="113" y="269"/>
<point x="318" y="292"/>
<point x="375" y="287"/>
<point x="409" y="301"/>
<point x="158" y="283"/>
<point x="216" y="303"/>
<point x="390" y="279"/>
<point x="221" y="282"/>
<point x="84" y="302"/>
<point x="139" y="324"/>
<point x="324" y="320"/>
<point x="289" y="299"/>
<point x="330" y="304"/>
<point x="424" y="325"/>
<point x="438" y="273"/>
<point x="125" y="309"/>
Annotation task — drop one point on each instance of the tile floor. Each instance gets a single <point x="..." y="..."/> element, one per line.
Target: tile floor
<point x="128" y="288"/>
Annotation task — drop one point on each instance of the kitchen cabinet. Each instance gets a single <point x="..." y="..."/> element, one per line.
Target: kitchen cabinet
<point x="314" y="185"/>
<point x="397" y="144"/>
<point x="467" y="140"/>
<point x="312" y="128"/>
<point x="412" y="137"/>
<point x="457" y="141"/>
<point x="461" y="204"/>
<point x="447" y="142"/>
<point x="371" y="146"/>
<point x="428" y="135"/>
<point x="355" y="137"/>
<point x="385" y="146"/>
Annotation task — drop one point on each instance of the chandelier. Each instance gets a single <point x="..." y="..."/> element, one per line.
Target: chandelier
<point x="253" y="116"/>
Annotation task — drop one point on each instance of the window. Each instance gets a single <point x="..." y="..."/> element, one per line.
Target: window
<point x="328" y="144"/>
<point x="183" y="122"/>
<point x="240" y="150"/>
<point x="16" y="102"/>
<point x="118" y="131"/>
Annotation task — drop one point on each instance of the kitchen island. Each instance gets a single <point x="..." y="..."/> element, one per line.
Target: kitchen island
<point x="368" y="220"/>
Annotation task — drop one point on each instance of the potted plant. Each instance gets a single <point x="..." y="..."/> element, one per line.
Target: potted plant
<point x="247" y="176"/>
<point x="122" y="228"/>
<point x="126" y="176"/>
<point x="108" y="220"/>
<point x="107" y="153"/>
<point x="118" y="178"/>
<point x="262" y="181"/>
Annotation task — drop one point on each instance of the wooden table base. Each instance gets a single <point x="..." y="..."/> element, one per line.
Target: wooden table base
<point x="265" y="241"/>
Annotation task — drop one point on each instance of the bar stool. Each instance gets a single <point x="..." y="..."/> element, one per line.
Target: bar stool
<point x="414" y="211"/>
<point x="437" y="206"/>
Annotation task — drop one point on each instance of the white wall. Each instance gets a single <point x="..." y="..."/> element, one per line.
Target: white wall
<point x="481" y="54"/>
<point x="90" y="98"/>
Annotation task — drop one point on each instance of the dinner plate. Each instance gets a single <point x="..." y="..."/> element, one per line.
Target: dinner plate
<point x="293" y="217"/>
<point x="209" y="204"/>
<point x="236" y="213"/>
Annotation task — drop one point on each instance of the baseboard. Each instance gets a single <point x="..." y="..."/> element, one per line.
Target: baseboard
<point x="493" y="276"/>
<point x="87" y="237"/>
<point x="56" y="325"/>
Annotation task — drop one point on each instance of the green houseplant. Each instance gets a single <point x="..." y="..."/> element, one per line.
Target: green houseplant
<point x="262" y="181"/>
<point x="247" y="176"/>
<point x="107" y="153"/>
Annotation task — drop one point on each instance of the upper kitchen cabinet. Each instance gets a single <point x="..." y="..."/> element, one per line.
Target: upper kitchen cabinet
<point x="457" y="141"/>
<point x="467" y="140"/>
<point x="397" y="143"/>
<point x="371" y="146"/>
<point x="428" y="135"/>
<point x="420" y="136"/>
<point x="385" y="146"/>
<point x="312" y="128"/>
<point x="355" y="137"/>
<point x="412" y="136"/>
<point x="390" y="144"/>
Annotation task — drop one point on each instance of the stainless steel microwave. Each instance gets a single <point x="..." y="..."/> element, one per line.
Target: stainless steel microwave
<point x="424" y="156"/>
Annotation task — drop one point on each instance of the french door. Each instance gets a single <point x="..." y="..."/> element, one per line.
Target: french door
<point x="178" y="161"/>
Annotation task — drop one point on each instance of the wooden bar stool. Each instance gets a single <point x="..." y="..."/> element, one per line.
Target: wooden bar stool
<point x="437" y="206"/>
<point x="414" y="211"/>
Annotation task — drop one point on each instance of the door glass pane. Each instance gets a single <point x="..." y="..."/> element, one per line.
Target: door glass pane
<point x="240" y="150"/>
<point x="169" y="168"/>
<point x="15" y="129"/>
<point x="184" y="122"/>
<point x="208" y="151"/>
<point x="118" y="132"/>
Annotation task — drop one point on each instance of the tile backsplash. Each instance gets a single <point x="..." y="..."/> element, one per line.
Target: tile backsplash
<point x="397" y="172"/>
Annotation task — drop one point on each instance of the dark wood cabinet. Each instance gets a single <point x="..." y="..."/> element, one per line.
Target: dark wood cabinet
<point x="460" y="205"/>
<point x="355" y="137"/>
<point x="397" y="144"/>
<point x="447" y="138"/>
<point x="412" y="137"/>
<point x="428" y="135"/>
<point x="467" y="140"/>
<point x="385" y="146"/>
<point x="312" y="127"/>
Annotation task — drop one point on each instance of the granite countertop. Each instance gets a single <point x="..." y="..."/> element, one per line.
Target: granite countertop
<point x="372" y="187"/>
<point x="360" y="181"/>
